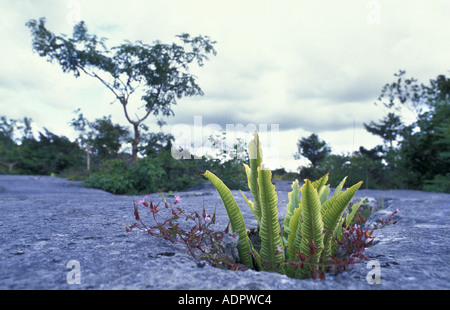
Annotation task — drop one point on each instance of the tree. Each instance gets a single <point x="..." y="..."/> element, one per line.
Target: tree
<point x="422" y="152"/>
<point x="101" y="138"/>
<point x="313" y="149"/>
<point x="85" y="136"/>
<point x="109" y="137"/>
<point x="389" y="128"/>
<point x="426" y="151"/>
<point x="9" y="132"/>
<point x="405" y="93"/>
<point x="156" y="142"/>
<point x="160" y="72"/>
<point x="49" y="154"/>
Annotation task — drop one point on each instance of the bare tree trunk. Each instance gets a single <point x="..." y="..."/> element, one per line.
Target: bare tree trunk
<point x="88" y="160"/>
<point x="9" y="165"/>
<point x="136" y="141"/>
<point x="137" y="134"/>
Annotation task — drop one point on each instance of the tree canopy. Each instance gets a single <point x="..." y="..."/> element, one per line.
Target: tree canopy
<point x="414" y="155"/>
<point x="101" y="138"/>
<point x="423" y="147"/>
<point x="314" y="149"/>
<point x="158" y="72"/>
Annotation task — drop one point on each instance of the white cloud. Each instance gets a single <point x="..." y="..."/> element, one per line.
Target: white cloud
<point x="309" y="66"/>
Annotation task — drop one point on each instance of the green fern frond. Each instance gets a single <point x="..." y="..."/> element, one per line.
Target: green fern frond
<point x="249" y="202"/>
<point x="269" y="232"/>
<point x="311" y="224"/>
<point x="323" y="193"/>
<point x="333" y="209"/>
<point x="318" y="184"/>
<point x="351" y="215"/>
<point x="255" y="160"/>
<point x="294" y="202"/>
<point x="293" y="241"/>
<point x="235" y="217"/>
<point x="339" y="187"/>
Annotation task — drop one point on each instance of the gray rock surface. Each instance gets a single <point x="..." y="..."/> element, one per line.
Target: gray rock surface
<point x="46" y="222"/>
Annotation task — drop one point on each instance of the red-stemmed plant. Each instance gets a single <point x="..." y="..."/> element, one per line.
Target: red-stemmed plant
<point x="201" y="240"/>
<point x="205" y="243"/>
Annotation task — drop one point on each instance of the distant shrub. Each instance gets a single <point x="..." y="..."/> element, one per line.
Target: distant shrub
<point x="160" y="172"/>
<point x="113" y="176"/>
<point x="147" y="174"/>
<point x="282" y="174"/>
<point x="232" y="172"/>
<point x="440" y="183"/>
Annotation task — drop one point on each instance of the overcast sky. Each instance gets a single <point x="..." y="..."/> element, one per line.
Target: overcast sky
<point x="306" y="66"/>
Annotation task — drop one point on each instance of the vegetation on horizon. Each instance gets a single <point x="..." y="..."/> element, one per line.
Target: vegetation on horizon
<point x="412" y="156"/>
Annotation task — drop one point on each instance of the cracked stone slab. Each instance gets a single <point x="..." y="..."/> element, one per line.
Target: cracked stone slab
<point x="47" y="222"/>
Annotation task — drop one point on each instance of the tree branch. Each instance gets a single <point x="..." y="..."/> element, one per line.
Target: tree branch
<point x="93" y="74"/>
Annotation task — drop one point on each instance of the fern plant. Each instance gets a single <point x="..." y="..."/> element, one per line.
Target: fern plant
<point x="313" y="222"/>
